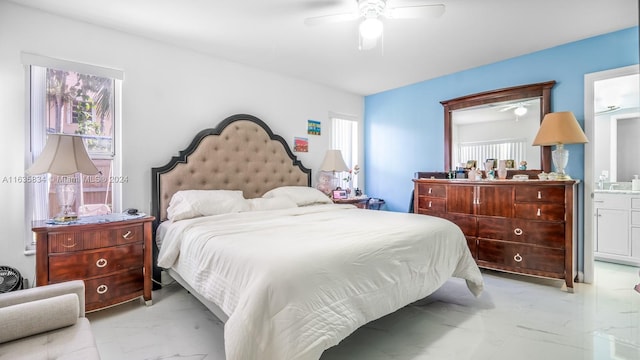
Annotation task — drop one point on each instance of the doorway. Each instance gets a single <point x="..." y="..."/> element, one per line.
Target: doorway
<point x="605" y="93"/>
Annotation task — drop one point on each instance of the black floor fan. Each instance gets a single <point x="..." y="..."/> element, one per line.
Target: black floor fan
<point x="10" y="279"/>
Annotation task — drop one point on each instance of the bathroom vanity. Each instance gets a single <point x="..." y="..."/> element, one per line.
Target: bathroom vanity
<point x="617" y="225"/>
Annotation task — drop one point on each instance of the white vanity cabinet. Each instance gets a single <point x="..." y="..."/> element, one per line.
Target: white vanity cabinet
<point x="617" y="226"/>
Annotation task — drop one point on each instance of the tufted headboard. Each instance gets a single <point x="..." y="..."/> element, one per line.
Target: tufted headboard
<point x="242" y="153"/>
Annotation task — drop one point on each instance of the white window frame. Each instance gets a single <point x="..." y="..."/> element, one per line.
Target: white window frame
<point x="36" y="197"/>
<point x="344" y="137"/>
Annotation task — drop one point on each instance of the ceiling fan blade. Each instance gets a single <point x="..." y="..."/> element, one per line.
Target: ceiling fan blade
<point x="507" y="108"/>
<point x="416" y="12"/>
<point x="328" y="19"/>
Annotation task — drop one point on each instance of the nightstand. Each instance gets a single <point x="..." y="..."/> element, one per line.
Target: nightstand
<point x="360" y="202"/>
<point x="113" y="259"/>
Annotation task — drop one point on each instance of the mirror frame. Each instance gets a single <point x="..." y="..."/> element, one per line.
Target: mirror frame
<point x="541" y="90"/>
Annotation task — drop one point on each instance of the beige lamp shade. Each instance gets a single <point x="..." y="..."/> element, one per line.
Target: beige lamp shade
<point x="559" y="128"/>
<point x="63" y="155"/>
<point x="333" y="161"/>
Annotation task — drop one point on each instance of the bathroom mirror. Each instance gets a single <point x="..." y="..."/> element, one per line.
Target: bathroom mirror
<point x="509" y="117"/>
<point x="617" y="127"/>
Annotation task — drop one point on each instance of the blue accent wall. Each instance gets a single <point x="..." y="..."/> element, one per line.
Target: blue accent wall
<point x="404" y="127"/>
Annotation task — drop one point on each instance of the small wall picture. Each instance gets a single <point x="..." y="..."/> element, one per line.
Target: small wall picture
<point x="313" y="127"/>
<point x="300" y="144"/>
<point x="511" y="164"/>
<point x="494" y="163"/>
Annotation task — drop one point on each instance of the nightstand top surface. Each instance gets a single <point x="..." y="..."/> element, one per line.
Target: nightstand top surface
<point x="110" y="219"/>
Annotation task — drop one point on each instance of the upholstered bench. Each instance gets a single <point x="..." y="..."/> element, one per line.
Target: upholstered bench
<point x="46" y="322"/>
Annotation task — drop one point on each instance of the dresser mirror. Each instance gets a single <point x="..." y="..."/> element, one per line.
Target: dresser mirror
<point x="475" y="124"/>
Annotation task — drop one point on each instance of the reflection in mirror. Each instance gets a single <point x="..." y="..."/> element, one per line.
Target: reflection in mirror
<point x="502" y="131"/>
<point x="534" y="98"/>
<point x="617" y="128"/>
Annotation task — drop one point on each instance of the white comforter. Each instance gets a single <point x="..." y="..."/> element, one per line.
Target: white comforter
<point x="295" y="282"/>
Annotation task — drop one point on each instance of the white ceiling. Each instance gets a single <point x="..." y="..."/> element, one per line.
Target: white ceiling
<point x="270" y="34"/>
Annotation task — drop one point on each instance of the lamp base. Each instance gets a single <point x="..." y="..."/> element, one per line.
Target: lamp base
<point x="66" y="193"/>
<point x="65" y="218"/>
<point x="65" y="214"/>
<point x="563" y="177"/>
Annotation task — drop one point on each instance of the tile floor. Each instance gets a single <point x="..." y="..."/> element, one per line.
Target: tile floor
<point x="516" y="317"/>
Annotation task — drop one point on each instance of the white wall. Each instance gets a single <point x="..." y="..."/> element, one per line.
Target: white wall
<point x="169" y="94"/>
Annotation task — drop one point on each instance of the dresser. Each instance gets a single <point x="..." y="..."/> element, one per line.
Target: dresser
<point x="113" y="259"/>
<point x="524" y="227"/>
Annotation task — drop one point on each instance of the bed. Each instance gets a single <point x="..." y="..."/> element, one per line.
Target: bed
<point x="289" y="272"/>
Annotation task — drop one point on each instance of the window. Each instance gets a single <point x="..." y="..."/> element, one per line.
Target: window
<point x="513" y="149"/>
<point x="69" y="98"/>
<point x="344" y="137"/>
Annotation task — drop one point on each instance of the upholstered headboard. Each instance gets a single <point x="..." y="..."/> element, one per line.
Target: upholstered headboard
<point x="242" y="153"/>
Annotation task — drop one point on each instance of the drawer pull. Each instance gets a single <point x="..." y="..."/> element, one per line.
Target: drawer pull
<point x="429" y="204"/>
<point x="101" y="263"/>
<point x="102" y="289"/>
<point x="517" y="258"/>
<point x="539" y="194"/>
<point x="430" y="191"/>
<point x="69" y="246"/>
<point x="517" y="231"/>
<point x="127" y="235"/>
<point x="539" y="213"/>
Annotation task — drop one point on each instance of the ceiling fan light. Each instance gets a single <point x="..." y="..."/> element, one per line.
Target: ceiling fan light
<point x="371" y="28"/>
<point x="520" y="110"/>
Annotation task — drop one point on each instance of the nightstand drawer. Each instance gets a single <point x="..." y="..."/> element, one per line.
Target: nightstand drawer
<point x="112" y="289"/>
<point x="60" y="242"/>
<point x="128" y="234"/>
<point x="81" y="265"/>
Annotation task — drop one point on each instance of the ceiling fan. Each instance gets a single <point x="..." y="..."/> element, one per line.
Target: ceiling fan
<point x="370" y="13"/>
<point x="519" y="108"/>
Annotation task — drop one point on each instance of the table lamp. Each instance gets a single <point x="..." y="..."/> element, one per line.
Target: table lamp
<point x="64" y="155"/>
<point x="333" y="161"/>
<point x="558" y="129"/>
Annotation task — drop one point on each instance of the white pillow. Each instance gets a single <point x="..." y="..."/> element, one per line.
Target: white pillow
<point x="261" y="204"/>
<point x="187" y="204"/>
<point x="301" y="195"/>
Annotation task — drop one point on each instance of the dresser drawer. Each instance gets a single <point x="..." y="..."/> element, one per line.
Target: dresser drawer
<point x="431" y="204"/>
<point x="60" y="242"/>
<point x="103" y="290"/>
<point x="552" y="194"/>
<point x="548" y="212"/>
<point x="86" y="264"/>
<point x="467" y="223"/>
<point x="432" y="190"/>
<point x="543" y="233"/>
<point x="521" y="256"/>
